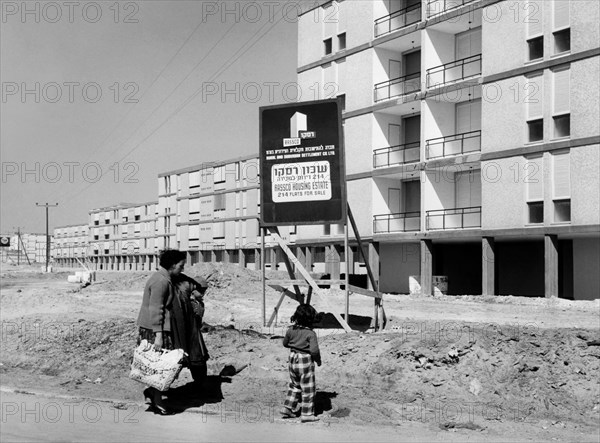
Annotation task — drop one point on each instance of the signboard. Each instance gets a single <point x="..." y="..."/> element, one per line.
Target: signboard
<point x="303" y="179"/>
<point x="5" y="241"/>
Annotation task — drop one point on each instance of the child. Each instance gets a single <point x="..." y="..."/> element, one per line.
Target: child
<point x="304" y="353"/>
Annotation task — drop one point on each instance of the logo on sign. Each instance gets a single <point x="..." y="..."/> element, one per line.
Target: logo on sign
<point x="308" y="134"/>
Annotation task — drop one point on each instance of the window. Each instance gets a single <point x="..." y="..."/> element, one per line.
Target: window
<point x="106" y="236"/>
<point x="342" y="41"/>
<point x="219" y="202"/>
<point x="96" y="222"/>
<point x="536" y="48"/>
<point x="535" y="130"/>
<point x="107" y="221"/>
<point x="327" y="46"/>
<point x="562" y="41"/>
<point x="536" y="212"/>
<point x="561" y="105"/>
<point x="136" y="218"/>
<point x="106" y="251"/>
<point x="535" y="189"/>
<point x="535" y="108"/>
<point x="561" y="186"/>
<point x="125" y="219"/>
<point x="562" y="125"/>
<point x="96" y="237"/>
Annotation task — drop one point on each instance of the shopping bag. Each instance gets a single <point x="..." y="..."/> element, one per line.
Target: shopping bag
<point x="156" y="368"/>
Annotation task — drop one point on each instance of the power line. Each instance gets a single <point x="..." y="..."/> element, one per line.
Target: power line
<point x="220" y="71"/>
<point x="122" y="120"/>
<point x="47" y="205"/>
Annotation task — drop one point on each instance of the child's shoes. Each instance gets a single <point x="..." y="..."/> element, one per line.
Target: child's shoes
<point x="309" y="418"/>
<point x="286" y="413"/>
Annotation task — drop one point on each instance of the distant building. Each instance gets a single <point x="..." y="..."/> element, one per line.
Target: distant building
<point x="32" y="246"/>
<point x="71" y="245"/>
<point x="122" y="237"/>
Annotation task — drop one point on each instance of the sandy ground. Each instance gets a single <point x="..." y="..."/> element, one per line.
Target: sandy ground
<point x="508" y="368"/>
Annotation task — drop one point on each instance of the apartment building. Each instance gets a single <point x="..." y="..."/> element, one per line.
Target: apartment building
<point x="71" y="245"/>
<point x="122" y="237"/>
<point x="28" y="246"/>
<point x="472" y="140"/>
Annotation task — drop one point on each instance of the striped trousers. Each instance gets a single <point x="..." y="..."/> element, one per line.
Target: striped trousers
<point x="302" y="384"/>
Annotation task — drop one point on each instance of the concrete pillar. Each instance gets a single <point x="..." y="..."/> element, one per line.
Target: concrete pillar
<point x="308" y="258"/>
<point x="273" y="259"/>
<point x="257" y="259"/>
<point x="426" y="267"/>
<point x="335" y="252"/>
<point x="488" y="266"/>
<point x="188" y="258"/>
<point x="374" y="263"/>
<point x="551" y="265"/>
<point x="242" y="257"/>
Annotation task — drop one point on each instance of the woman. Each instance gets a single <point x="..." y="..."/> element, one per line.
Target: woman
<point x="155" y="318"/>
<point x="188" y="310"/>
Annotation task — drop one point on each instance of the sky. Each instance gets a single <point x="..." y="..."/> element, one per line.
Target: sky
<point x="100" y="97"/>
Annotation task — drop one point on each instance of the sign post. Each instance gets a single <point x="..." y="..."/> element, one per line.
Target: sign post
<point x="303" y="177"/>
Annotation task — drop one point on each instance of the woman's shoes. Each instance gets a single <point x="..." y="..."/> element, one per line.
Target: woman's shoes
<point x="160" y="410"/>
<point x="148" y="395"/>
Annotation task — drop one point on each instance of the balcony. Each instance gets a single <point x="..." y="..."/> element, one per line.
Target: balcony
<point x="453" y="145"/>
<point x="397" y="20"/>
<point x="457" y="218"/>
<point x="398" y="87"/>
<point x="401" y="222"/>
<point x="454" y="71"/>
<point x="396" y="155"/>
<point x="435" y="7"/>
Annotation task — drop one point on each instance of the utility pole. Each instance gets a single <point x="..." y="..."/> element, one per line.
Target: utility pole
<point x="47" y="205"/>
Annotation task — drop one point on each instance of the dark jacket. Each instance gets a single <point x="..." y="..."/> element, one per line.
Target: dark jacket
<point x="303" y="340"/>
<point x="156" y="302"/>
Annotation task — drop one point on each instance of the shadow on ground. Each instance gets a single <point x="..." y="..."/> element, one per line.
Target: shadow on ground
<point x="356" y="322"/>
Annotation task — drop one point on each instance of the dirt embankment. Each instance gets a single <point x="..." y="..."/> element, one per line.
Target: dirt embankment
<point x="478" y="375"/>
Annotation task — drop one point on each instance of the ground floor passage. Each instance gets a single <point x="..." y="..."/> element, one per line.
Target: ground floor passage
<point x="541" y="266"/>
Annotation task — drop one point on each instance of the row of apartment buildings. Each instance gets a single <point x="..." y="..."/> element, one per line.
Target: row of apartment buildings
<point x="472" y="141"/>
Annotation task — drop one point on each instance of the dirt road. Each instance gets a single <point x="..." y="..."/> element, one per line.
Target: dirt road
<point x="463" y="368"/>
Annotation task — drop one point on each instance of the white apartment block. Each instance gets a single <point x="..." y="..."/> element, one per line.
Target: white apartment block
<point x="30" y="246"/>
<point x="71" y="245"/>
<point x="472" y="140"/>
<point x="211" y="212"/>
<point x="122" y="237"/>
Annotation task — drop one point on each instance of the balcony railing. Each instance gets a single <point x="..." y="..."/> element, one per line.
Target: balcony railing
<point x="397" y="20"/>
<point x="454" y="71"/>
<point x="456" y="218"/>
<point x="397" y="155"/>
<point x="453" y="145"/>
<point x="398" y="87"/>
<point x="435" y="7"/>
<point x="401" y="222"/>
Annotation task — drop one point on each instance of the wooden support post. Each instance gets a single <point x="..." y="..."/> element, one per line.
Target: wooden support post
<point x="488" y="277"/>
<point x="290" y="268"/>
<point x="551" y="265"/>
<point x="426" y="267"/>
<point x="374" y="264"/>
<point x="347" y="274"/>
<point x="312" y="282"/>
<point x="260" y="261"/>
